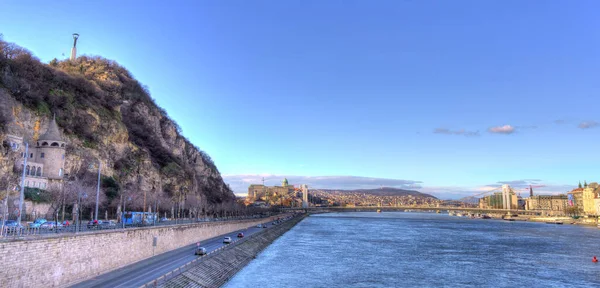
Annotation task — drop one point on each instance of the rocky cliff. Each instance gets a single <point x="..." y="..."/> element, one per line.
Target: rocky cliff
<point x="105" y="115"/>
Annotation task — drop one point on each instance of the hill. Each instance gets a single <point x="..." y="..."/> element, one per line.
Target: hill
<point x="384" y="191"/>
<point x="106" y="115"/>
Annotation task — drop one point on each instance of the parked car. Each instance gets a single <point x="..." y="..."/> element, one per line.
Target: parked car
<point x="66" y="223"/>
<point x="12" y="226"/>
<point x="259" y="226"/>
<point x="164" y="219"/>
<point x="94" y="224"/>
<point x="240" y="235"/>
<point x="51" y="225"/>
<point x="37" y="223"/>
<point x="109" y="224"/>
<point x="227" y="240"/>
<point x="200" y="251"/>
<point x="264" y="225"/>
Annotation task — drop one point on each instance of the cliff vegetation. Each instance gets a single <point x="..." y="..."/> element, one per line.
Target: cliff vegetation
<point x="107" y="116"/>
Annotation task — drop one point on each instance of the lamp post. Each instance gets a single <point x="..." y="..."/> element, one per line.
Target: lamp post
<point x="26" y="155"/>
<point x="98" y="191"/>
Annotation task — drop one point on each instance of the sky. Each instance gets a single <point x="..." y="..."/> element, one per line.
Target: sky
<point x="450" y="98"/>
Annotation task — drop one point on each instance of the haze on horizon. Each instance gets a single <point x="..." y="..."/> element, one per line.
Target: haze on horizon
<point x="447" y="98"/>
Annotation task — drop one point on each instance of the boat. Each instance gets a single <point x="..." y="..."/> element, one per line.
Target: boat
<point x="378" y="210"/>
<point x="485" y="217"/>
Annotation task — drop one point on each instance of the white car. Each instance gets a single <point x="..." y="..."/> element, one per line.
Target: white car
<point x="227" y="240"/>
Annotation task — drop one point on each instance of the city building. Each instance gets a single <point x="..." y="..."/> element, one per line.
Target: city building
<point x="304" y="188"/>
<point x="45" y="160"/>
<point x="588" y="195"/>
<point x="553" y="204"/>
<point x="575" y="198"/>
<point x="258" y="192"/>
<point x="507" y="199"/>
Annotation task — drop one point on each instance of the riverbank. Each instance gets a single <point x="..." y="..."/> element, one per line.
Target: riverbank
<point x="216" y="269"/>
<point x="586" y="221"/>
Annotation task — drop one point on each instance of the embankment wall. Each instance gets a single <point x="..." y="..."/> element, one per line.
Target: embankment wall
<point x="67" y="259"/>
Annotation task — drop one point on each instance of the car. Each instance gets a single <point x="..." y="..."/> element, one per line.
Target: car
<point x="200" y="251"/>
<point x="12" y="226"/>
<point x="109" y="224"/>
<point x="66" y="223"/>
<point x="164" y="219"/>
<point x="240" y="235"/>
<point x="264" y="225"/>
<point x="94" y="224"/>
<point x="37" y="223"/>
<point x="227" y="240"/>
<point x="51" y="225"/>
<point x="259" y="226"/>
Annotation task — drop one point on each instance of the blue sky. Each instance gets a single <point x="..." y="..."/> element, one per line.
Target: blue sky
<point x="448" y="97"/>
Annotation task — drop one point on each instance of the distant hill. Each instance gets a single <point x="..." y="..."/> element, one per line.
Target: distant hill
<point x="384" y="191"/>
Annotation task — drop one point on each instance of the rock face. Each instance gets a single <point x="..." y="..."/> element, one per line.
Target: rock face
<point x="105" y="115"/>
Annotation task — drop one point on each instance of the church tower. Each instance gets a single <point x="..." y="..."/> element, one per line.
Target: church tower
<point x="50" y="151"/>
<point x="284" y="183"/>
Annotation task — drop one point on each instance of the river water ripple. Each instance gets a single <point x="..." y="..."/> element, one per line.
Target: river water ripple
<point x="395" y="249"/>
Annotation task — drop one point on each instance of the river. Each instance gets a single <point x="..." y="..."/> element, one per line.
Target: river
<point x="396" y="249"/>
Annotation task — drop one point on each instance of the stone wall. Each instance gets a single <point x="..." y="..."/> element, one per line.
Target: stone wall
<point x="218" y="268"/>
<point x="68" y="259"/>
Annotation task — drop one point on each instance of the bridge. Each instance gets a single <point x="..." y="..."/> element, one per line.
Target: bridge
<point x="413" y="208"/>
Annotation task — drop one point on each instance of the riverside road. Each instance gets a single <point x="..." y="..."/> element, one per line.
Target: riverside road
<point x="142" y="272"/>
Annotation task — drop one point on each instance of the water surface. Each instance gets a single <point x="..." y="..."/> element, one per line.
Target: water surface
<point x="425" y="250"/>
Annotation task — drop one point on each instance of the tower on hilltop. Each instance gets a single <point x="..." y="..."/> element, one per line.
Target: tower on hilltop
<point x="51" y="148"/>
<point x="74" y="49"/>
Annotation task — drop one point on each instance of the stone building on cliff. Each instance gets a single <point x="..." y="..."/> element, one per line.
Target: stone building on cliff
<point x="45" y="157"/>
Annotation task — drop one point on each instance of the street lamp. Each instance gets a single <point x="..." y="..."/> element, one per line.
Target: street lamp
<point x="97" y="187"/>
<point x="21" y="196"/>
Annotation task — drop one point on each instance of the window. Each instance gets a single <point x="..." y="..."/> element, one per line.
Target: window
<point x="43" y="185"/>
<point x="27" y="183"/>
<point x="39" y="171"/>
<point x="45" y="144"/>
<point x="32" y="171"/>
<point x="42" y="155"/>
<point x="54" y="144"/>
<point x="60" y="172"/>
<point x="27" y="170"/>
<point x="31" y="156"/>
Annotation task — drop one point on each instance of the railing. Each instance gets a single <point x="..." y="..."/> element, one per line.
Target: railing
<point x="12" y="232"/>
<point x="181" y="269"/>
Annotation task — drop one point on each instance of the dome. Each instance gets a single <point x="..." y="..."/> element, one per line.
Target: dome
<point x="284" y="183"/>
<point x="52" y="134"/>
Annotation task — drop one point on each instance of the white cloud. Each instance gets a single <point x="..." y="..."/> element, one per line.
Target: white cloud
<point x="506" y="129"/>
<point x="588" y="124"/>
<point x="455" y="132"/>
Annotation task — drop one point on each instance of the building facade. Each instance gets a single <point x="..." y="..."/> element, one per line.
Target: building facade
<point x="500" y="200"/>
<point x="258" y="192"/>
<point x="575" y="198"/>
<point x="554" y="203"/>
<point x="588" y="195"/>
<point x="45" y="157"/>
